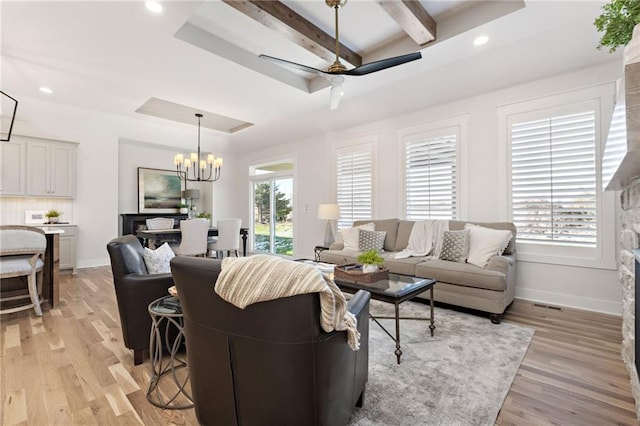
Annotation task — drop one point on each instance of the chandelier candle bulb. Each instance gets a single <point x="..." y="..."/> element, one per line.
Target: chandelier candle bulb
<point x="187" y="163"/>
<point x="194" y="158"/>
<point x="210" y="158"/>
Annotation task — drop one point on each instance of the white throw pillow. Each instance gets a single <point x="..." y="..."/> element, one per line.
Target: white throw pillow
<point x="485" y="243"/>
<point x="157" y="260"/>
<point x="351" y="236"/>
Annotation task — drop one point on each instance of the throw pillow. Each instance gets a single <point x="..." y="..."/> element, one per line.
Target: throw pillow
<point x="371" y="240"/>
<point x="157" y="260"/>
<point x="351" y="236"/>
<point x="485" y="243"/>
<point x="455" y="245"/>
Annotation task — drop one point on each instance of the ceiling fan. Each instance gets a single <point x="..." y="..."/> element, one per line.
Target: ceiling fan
<point x="336" y="72"/>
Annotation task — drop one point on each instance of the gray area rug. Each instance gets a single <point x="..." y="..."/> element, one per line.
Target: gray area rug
<point x="460" y="376"/>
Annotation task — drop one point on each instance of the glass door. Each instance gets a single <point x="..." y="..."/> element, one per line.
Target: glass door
<point x="273" y="215"/>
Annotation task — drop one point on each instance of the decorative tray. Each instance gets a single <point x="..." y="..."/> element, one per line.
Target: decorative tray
<point x="353" y="271"/>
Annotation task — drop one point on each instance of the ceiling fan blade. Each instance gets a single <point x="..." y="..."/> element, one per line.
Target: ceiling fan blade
<point x="293" y="65"/>
<point x="382" y="64"/>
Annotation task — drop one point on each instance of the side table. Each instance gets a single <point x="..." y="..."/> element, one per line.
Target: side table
<point x="167" y="336"/>
<point x="317" y="250"/>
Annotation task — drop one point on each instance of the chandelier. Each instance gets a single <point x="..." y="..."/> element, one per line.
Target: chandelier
<point x="201" y="170"/>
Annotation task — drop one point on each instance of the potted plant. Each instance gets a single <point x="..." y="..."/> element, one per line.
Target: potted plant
<point x="184" y="209"/>
<point x="53" y="215"/>
<point x="205" y="215"/>
<point x="617" y="21"/>
<point x="370" y="260"/>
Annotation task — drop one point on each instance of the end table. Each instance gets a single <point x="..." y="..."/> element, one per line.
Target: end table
<point x="317" y="250"/>
<point x="166" y="314"/>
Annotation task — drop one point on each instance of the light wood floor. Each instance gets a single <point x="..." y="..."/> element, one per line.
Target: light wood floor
<point x="70" y="366"/>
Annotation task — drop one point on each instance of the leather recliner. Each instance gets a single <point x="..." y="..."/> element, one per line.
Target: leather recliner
<point x="270" y="363"/>
<point x="135" y="289"/>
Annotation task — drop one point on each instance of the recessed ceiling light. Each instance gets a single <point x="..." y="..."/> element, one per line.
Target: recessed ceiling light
<point x="479" y="41"/>
<point x="46" y="90"/>
<point x="154" y="6"/>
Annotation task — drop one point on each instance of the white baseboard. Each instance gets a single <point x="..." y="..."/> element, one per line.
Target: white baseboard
<point x="570" y="301"/>
<point x="93" y="263"/>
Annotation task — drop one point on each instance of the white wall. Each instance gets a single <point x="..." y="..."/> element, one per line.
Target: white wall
<point x="582" y="287"/>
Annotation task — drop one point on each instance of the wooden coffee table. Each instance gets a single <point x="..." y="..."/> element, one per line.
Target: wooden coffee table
<point x="396" y="289"/>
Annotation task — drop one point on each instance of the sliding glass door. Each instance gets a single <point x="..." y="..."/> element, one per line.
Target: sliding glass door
<point x="273" y="211"/>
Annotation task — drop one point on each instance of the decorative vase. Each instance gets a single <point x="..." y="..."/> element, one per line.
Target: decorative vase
<point x="368" y="269"/>
<point x="53" y="219"/>
<point x="184" y="210"/>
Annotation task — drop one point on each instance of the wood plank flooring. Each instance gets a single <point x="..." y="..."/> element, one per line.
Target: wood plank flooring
<point x="70" y="367"/>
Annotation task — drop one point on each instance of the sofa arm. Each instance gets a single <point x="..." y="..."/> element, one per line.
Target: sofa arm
<point x="337" y="245"/>
<point x="359" y="304"/>
<point x="500" y="264"/>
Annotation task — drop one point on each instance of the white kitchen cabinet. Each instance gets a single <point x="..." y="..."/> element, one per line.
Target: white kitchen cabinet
<point x="50" y="169"/>
<point x="67" y="246"/>
<point x="12" y="175"/>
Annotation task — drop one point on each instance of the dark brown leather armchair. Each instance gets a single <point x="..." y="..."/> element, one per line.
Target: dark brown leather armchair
<point x="271" y="363"/>
<point x="135" y="289"/>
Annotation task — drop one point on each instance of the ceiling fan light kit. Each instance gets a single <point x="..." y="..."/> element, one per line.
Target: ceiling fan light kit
<point x="336" y="70"/>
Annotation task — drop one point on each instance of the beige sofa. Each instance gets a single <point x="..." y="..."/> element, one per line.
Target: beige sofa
<point x="490" y="289"/>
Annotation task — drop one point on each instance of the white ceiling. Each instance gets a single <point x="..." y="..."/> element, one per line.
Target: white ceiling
<point x="114" y="56"/>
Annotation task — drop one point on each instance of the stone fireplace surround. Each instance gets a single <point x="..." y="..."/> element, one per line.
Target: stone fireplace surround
<point x="629" y="258"/>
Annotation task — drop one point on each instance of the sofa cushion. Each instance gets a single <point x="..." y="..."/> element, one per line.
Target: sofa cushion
<point x="390" y="226"/>
<point x="485" y="243"/>
<point x="339" y="257"/>
<point x="463" y="274"/>
<point x="455" y="245"/>
<point x="371" y="240"/>
<point x="404" y="232"/>
<point x="402" y="266"/>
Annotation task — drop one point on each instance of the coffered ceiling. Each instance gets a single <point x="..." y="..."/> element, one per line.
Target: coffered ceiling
<point x="115" y="56"/>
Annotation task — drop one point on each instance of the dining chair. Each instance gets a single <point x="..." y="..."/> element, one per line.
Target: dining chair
<point x="159" y="223"/>
<point x="22" y="251"/>
<point x="193" y="241"/>
<point x="228" y="237"/>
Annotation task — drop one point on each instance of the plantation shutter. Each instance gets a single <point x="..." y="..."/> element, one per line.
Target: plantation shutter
<point x="431" y="178"/>
<point x="553" y="179"/>
<point x="354" y="178"/>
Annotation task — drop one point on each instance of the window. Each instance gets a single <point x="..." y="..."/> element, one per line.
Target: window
<point x="430" y="178"/>
<point x="272" y="206"/>
<point x="553" y="178"/>
<point x="354" y="183"/>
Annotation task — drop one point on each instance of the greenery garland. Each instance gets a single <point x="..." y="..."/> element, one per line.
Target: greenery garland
<point x="617" y="21"/>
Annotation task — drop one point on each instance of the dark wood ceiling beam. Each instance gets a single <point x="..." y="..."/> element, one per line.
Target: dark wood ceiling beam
<point x="278" y="17"/>
<point x="413" y="19"/>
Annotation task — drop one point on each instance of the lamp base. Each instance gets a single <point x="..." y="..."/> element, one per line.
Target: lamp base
<point x="328" y="234"/>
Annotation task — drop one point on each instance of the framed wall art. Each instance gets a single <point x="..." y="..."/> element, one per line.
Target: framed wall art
<point x="159" y="191"/>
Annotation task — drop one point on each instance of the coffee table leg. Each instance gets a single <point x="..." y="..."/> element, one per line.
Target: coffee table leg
<point x="398" y="351"/>
<point x="432" y="326"/>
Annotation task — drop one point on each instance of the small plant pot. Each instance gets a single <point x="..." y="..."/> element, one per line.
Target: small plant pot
<point x="53" y="219"/>
<point x="368" y="269"/>
<point x="184" y="210"/>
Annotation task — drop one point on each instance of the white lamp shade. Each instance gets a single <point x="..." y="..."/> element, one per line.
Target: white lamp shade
<point x="328" y="211"/>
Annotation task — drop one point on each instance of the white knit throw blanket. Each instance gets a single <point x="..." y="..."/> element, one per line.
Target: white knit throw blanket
<point x="247" y="280"/>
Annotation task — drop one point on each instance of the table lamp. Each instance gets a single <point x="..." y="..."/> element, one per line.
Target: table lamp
<point x="328" y="212"/>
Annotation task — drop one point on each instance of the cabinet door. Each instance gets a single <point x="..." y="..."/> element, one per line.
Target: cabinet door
<point x="12" y="175"/>
<point x="68" y="252"/>
<point x="62" y="170"/>
<point x="38" y="168"/>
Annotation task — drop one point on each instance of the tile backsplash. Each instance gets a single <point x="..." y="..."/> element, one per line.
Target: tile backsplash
<point x="12" y="208"/>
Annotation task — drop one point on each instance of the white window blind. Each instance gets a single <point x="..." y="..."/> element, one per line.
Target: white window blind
<point x="553" y="179"/>
<point x="431" y="178"/>
<point x="354" y="179"/>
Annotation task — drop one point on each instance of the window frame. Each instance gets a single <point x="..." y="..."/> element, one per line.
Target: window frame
<point x="600" y="99"/>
